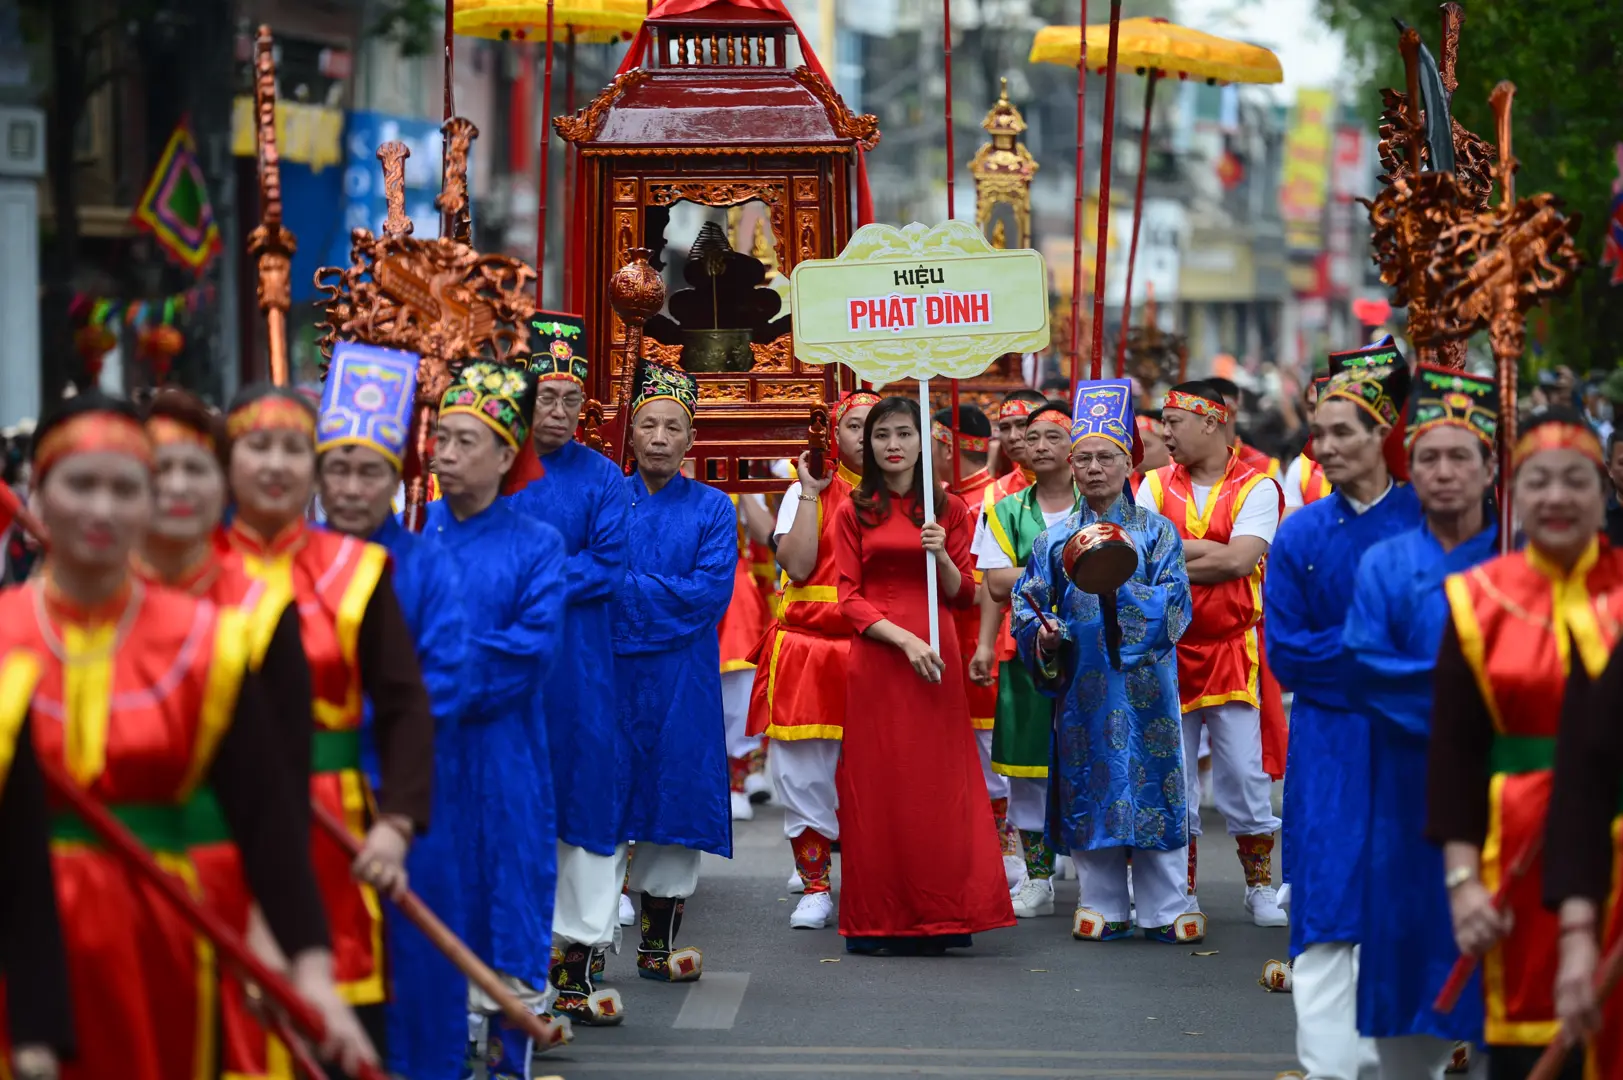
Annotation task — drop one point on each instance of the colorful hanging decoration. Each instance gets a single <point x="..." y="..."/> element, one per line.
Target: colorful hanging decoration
<point x="175" y="208"/>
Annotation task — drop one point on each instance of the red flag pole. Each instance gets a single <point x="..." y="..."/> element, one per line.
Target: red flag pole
<point x="952" y="210"/>
<point x="546" y="146"/>
<point x="1107" y="136"/>
<point x="119" y="841"/>
<point x="1076" y="243"/>
<point x="1138" y="214"/>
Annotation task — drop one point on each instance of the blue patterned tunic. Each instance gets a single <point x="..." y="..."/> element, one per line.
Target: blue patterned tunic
<point x="426" y="1023"/>
<point x="1392" y="634"/>
<point x="583" y="495"/>
<point x="683" y="544"/>
<point x="1118" y="763"/>
<point x="501" y="786"/>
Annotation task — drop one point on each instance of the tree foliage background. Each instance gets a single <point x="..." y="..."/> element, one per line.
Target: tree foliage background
<point x="1566" y="59"/>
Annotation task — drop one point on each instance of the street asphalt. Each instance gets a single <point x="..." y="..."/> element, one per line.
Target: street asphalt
<point x="1023" y="1002"/>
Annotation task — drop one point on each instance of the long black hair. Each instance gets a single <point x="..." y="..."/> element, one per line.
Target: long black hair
<point x="873" y="497"/>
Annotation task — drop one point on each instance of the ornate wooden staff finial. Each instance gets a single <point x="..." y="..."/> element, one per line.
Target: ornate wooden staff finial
<point x="392" y="156"/>
<point x="452" y="202"/>
<point x="270" y="244"/>
<point x="1492" y="267"/>
<point x="636" y="292"/>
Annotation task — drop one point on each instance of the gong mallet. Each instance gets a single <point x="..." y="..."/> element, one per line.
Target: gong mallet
<point x="548" y="1034"/>
<point x="203" y="920"/>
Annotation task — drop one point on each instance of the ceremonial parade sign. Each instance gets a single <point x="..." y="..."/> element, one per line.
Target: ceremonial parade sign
<point x="919" y="302"/>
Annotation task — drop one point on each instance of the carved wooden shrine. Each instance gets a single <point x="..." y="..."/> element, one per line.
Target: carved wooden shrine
<point x="716" y="116"/>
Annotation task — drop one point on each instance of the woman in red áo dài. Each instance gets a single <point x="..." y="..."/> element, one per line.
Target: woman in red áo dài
<point x="140" y="695"/>
<point x="357" y="646"/>
<point x="1528" y="630"/>
<point x="179" y="551"/>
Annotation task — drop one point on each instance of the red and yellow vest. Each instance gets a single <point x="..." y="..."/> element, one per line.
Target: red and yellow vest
<point x="1522" y="624"/>
<point x="982" y="699"/>
<point x="1256" y="460"/>
<point x="1220" y="655"/>
<point x="748" y="613"/>
<point x="813" y="604"/>
<point x="1311" y="479"/>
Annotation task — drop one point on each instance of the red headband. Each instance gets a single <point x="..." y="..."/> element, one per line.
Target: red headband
<point x="974" y="444"/>
<point x="1150" y="423"/>
<point x="167" y="431"/>
<point x="856" y="399"/>
<point x="1049" y="416"/>
<point x="1194" y="403"/>
<point x="92" y="433"/>
<point x="1557" y="436"/>
<point x="1017" y="408"/>
<point x="270" y="413"/>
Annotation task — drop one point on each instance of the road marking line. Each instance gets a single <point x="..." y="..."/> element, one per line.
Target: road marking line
<point x="712" y="1003"/>
<point x="1001" y="1053"/>
<point x="1146" y="1071"/>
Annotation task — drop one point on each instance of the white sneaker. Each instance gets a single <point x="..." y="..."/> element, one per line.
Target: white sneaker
<point x="742" y="809"/>
<point x="628" y="914"/>
<point x="796" y="885"/>
<point x="1014" y="872"/>
<point x="813" y="911"/>
<point x="758" y="787"/>
<point x="1036" y="897"/>
<point x="1263" y="903"/>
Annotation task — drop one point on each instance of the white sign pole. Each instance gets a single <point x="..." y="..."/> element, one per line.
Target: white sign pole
<point x="926" y="457"/>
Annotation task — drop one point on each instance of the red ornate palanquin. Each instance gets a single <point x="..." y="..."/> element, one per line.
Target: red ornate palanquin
<point x="714" y="115"/>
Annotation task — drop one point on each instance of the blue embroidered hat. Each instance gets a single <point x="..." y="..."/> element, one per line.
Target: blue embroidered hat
<point x="1104" y="409"/>
<point x="560" y="347"/>
<point x="367" y="400"/>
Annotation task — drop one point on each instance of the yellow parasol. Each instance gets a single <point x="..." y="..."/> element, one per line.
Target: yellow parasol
<point x="592" y="22"/>
<point x="1159" y="49"/>
<point x="1155" y="43"/>
<point x="580" y="21"/>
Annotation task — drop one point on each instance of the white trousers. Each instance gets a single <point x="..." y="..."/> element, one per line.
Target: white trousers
<point x="802" y="771"/>
<point x="588" y="905"/>
<point x="664" y="870"/>
<point x="1160" y="884"/>
<point x="735" y="709"/>
<point x="997" y="785"/>
<point x="1422" y="1057"/>
<point x="1324" y="991"/>
<point x="1028" y="802"/>
<point x="1243" y="792"/>
<point x="537" y="1001"/>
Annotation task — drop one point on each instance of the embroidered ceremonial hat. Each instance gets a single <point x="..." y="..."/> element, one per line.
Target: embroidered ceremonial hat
<point x="1104" y="409"/>
<point x="500" y="395"/>
<point x="1379" y="391"/>
<point x="1443" y="397"/>
<point x="560" y="347"/>
<point x="367" y="400"/>
<point x="662" y="382"/>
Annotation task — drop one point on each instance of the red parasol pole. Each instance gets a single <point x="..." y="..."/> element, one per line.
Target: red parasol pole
<point x="569" y="165"/>
<point x="546" y="146"/>
<point x="952" y="210"/>
<point x="1076" y="244"/>
<point x="448" y="226"/>
<point x="1138" y="214"/>
<point x="1107" y="136"/>
<point x="203" y="920"/>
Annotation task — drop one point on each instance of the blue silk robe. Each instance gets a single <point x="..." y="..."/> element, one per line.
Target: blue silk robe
<point x="1396" y="623"/>
<point x="683" y="550"/>
<point x="1305" y="596"/>
<point x="1118" y="777"/>
<point x="583" y="495"/>
<point x="501" y="779"/>
<point x="427" y="1023"/>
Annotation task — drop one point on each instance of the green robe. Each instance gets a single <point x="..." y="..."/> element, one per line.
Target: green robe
<point x="1023" y="729"/>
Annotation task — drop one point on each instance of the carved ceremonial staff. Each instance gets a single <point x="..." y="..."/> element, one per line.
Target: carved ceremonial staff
<point x="270" y="243"/>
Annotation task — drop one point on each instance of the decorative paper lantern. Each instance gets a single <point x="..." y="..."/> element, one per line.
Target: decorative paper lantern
<point x="93" y="342"/>
<point x="159" y="345"/>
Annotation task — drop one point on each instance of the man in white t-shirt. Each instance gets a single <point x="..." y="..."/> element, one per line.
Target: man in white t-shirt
<point x="1226" y="513"/>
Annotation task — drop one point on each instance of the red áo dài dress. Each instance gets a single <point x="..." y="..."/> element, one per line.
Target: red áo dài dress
<point x="141" y="701"/>
<point x="920" y="856"/>
<point x="338" y="584"/>
<point x="276" y="652"/>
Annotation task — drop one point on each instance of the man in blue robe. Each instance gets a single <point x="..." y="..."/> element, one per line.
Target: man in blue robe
<point x="1392" y="634"/>
<point x="513" y="586"/>
<point x="1305" y="598"/>
<point x="365" y="407"/>
<point x="582" y="494"/>
<point x="1117" y="787"/>
<point x="682" y="540"/>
